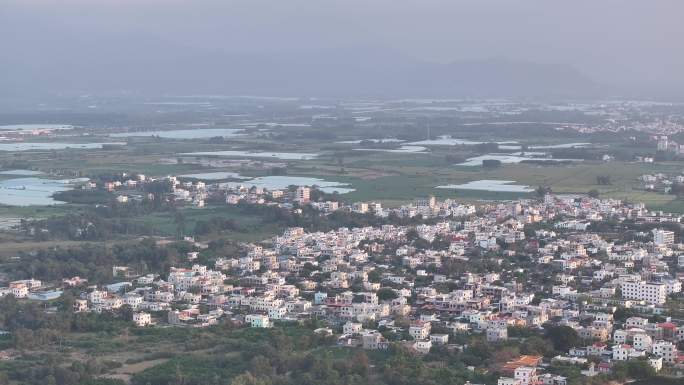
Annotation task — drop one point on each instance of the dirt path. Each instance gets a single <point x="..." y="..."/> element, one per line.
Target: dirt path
<point x="127" y="371"/>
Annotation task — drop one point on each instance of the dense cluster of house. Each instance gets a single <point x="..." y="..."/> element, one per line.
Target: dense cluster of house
<point x="27" y="288"/>
<point x="374" y="285"/>
<point x="196" y="192"/>
<point x="132" y="187"/>
<point x="666" y="144"/>
<point x="426" y="207"/>
<point x="661" y="182"/>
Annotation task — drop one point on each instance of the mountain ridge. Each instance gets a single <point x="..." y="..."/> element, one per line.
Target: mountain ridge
<point x="150" y="67"/>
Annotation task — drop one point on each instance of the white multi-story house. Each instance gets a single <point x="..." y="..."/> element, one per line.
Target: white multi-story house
<point x="496" y="334"/>
<point x="507" y="381"/>
<point x="133" y="300"/>
<point x="635" y="322"/>
<point x="277" y="312"/>
<point x="439" y="339"/>
<point x="142" y="319"/>
<point x="663" y="237"/>
<point x="652" y="292"/>
<point x="665" y="349"/>
<point x="19" y="290"/>
<point x="97" y="296"/>
<point x="672" y="286"/>
<point x="302" y="194"/>
<point x="526" y="375"/>
<point x="80" y="305"/>
<point x="423" y="346"/>
<point x="622" y="352"/>
<point x="258" y="321"/>
<point x="420" y="330"/>
<point x="642" y="341"/>
<point x="352" y="327"/>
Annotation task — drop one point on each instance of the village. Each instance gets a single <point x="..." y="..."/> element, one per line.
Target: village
<point x="491" y="270"/>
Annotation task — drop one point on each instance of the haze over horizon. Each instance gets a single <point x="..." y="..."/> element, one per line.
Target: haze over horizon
<point x="309" y="48"/>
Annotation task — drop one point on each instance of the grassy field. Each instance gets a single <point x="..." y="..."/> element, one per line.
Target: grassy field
<point x="379" y="177"/>
<point x="252" y="228"/>
<point x="401" y="177"/>
<point x="388" y="177"/>
<point x="35" y="211"/>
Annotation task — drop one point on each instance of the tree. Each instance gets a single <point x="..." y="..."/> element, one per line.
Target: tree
<point x="536" y="345"/>
<point x="179" y="220"/>
<point x="385" y="294"/>
<point x="491" y="163"/>
<point x="543" y="190"/>
<point x="246" y="378"/>
<point x="374" y="276"/>
<point x="278" y="171"/>
<point x="261" y="365"/>
<point x="440" y="243"/>
<point x="563" y="337"/>
<point x="360" y="364"/>
<point x="635" y="369"/>
<point x="451" y="158"/>
<point x="505" y="354"/>
<point x="483" y="148"/>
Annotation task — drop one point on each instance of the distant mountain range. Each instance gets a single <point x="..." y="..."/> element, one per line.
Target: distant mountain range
<point x="156" y="68"/>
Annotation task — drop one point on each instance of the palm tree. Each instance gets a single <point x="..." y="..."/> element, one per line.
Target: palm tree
<point x="179" y="220"/>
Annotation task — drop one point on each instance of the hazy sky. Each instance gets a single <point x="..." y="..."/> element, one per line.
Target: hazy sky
<point x="624" y="42"/>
